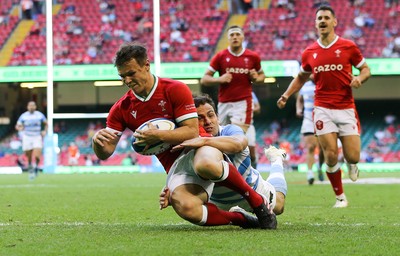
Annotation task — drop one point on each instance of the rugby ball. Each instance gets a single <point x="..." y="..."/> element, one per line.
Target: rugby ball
<point x="157" y="148"/>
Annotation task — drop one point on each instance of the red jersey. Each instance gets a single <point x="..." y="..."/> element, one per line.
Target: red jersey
<point x="332" y="69"/>
<point x="168" y="99"/>
<point x="239" y="65"/>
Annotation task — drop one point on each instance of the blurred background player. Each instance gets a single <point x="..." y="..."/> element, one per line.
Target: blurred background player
<point x="330" y="60"/>
<point x="32" y="127"/>
<point x="251" y="132"/>
<point x="304" y="109"/>
<point x="238" y="69"/>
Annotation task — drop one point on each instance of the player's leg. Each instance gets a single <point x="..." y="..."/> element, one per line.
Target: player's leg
<point x="321" y="160"/>
<point x="209" y="164"/>
<point x="251" y="139"/>
<point x="36" y="154"/>
<point x="327" y="132"/>
<point x="310" y="142"/>
<point x="349" y="133"/>
<point x="189" y="197"/>
<point x="328" y="144"/>
<point x="190" y="203"/>
<point x="276" y="177"/>
<point x="351" y="150"/>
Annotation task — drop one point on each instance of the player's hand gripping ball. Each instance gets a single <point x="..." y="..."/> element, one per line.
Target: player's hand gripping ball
<point x="159" y="147"/>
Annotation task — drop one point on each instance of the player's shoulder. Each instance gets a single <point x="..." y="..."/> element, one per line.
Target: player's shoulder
<point x="230" y="129"/>
<point x="169" y="82"/>
<point x="346" y="42"/>
<point x="125" y="101"/>
<point x="312" y="47"/>
<point x="249" y="52"/>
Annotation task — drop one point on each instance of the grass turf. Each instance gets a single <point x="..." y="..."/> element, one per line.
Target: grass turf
<point x="117" y="214"/>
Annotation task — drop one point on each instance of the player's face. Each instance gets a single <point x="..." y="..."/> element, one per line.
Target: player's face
<point x="325" y="22"/>
<point x="136" y="77"/>
<point x="208" y="119"/>
<point x="235" y="40"/>
<point x="31" y="106"/>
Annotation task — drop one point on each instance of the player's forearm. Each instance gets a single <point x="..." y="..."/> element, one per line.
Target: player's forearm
<point x="208" y="80"/>
<point x="365" y="74"/>
<point x="294" y="86"/>
<point x="227" y="144"/>
<point x="103" y="152"/>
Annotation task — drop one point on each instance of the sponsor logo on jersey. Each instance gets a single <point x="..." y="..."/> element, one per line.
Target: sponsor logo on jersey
<point x="315" y="55"/>
<point x="237" y="70"/>
<point x="228" y="59"/>
<point x="327" y="68"/>
<point x="133" y="113"/>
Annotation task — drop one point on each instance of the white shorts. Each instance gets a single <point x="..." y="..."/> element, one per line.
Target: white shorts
<point x="31" y="142"/>
<point x="239" y="112"/>
<point x="264" y="188"/>
<point x="251" y="136"/>
<point x="182" y="172"/>
<point x="307" y="126"/>
<point x="342" y="121"/>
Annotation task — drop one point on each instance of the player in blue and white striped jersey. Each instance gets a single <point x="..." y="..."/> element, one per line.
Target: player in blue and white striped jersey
<point x="32" y="126"/>
<point x="226" y="138"/>
<point x="304" y="109"/>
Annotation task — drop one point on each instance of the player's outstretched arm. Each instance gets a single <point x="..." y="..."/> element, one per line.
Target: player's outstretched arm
<point x="294" y="87"/>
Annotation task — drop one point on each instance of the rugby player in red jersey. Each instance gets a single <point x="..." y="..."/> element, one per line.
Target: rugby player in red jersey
<point x="330" y="59"/>
<point x="190" y="184"/>
<point x="238" y="69"/>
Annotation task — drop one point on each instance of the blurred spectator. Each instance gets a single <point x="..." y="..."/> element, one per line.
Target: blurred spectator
<point x="390" y="119"/>
<point x="88" y="160"/>
<point x="4" y="18"/>
<point x="73" y="154"/>
<point x="27" y="6"/>
<point x="187" y="56"/>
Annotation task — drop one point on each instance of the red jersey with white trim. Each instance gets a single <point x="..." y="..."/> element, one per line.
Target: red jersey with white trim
<point x="239" y="66"/>
<point x="332" y="69"/>
<point x="168" y="99"/>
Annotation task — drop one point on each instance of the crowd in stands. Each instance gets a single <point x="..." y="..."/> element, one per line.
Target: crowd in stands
<point x="89" y="32"/>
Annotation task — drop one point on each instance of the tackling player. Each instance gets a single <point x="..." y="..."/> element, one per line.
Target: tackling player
<point x="330" y="60"/>
<point x="231" y="140"/>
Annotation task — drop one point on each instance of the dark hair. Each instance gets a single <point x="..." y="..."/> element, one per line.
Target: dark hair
<point x="129" y="51"/>
<point x="203" y="99"/>
<point x="326" y="8"/>
<point x="235" y="26"/>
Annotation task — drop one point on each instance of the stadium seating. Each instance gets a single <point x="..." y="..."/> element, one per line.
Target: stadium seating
<point x="90" y="16"/>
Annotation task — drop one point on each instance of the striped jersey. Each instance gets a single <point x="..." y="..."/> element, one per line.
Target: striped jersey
<point x="242" y="162"/>
<point x="32" y="122"/>
<point x="307" y="91"/>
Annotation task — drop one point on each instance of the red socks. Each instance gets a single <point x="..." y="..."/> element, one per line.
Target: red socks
<point x="218" y="217"/>
<point x="236" y="182"/>
<point x="336" y="181"/>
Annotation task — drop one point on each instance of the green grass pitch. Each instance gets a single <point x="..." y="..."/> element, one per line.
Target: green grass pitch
<point x="118" y="214"/>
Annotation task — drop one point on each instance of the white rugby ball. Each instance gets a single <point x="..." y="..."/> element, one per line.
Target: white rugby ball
<point x="157" y="148"/>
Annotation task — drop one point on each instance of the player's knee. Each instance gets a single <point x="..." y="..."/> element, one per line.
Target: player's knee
<point x="279" y="209"/>
<point x="208" y="168"/>
<point x="186" y="209"/>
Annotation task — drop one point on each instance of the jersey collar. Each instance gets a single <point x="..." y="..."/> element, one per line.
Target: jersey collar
<point x="234" y="54"/>
<point x="153" y="89"/>
<point x="328" y="46"/>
